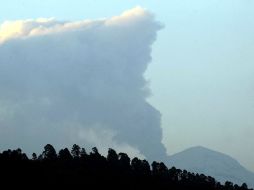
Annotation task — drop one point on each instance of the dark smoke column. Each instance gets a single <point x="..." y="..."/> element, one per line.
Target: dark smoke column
<point x="144" y="132"/>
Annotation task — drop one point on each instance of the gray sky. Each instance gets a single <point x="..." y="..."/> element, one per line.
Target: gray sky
<point x="201" y="74"/>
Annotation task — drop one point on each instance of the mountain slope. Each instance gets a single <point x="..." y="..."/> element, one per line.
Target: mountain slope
<point x="220" y="166"/>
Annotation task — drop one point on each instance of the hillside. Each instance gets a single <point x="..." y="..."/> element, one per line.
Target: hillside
<point x="222" y="167"/>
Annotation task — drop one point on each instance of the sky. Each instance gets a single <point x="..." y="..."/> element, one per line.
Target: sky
<point x="201" y="73"/>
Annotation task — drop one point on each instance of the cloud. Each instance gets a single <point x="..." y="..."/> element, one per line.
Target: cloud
<point x="58" y="79"/>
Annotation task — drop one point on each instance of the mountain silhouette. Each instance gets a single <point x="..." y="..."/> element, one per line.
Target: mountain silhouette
<point x="221" y="166"/>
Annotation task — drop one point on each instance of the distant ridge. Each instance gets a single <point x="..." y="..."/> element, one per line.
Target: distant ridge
<point x="209" y="162"/>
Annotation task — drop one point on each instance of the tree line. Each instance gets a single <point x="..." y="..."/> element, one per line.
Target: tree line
<point x="77" y="168"/>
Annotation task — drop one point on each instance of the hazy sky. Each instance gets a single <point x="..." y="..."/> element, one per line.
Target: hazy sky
<point x="202" y="72"/>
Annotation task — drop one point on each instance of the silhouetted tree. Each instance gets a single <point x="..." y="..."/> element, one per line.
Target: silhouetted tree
<point x="112" y="156"/>
<point x="64" y="154"/>
<point x="155" y="168"/>
<point x="174" y="174"/>
<point x="229" y="185"/>
<point x="49" y="152"/>
<point x="17" y="155"/>
<point x="95" y="151"/>
<point x="136" y="165"/>
<point x="34" y="156"/>
<point x="244" y="186"/>
<point x="124" y="161"/>
<point x="83" y="153"/>
<point x="40" y="157"/>
<point x="146" y="170"/>
<point x="75" y="151"/>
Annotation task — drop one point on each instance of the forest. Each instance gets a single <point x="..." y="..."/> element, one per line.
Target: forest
<point x="77" y="168"/>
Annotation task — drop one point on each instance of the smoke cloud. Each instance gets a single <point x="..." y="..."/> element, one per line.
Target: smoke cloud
<point x="79" y="82"/>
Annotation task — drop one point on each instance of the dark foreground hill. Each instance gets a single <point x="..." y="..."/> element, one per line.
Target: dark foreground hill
<point x="93" y="171"/>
